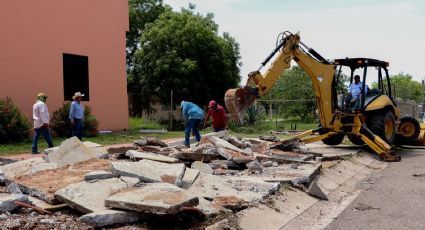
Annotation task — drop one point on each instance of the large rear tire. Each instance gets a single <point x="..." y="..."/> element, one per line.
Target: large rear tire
<point x="383" y="125"/>
<point x="355" y="140"/>
<point x="334" y="139"/>
<point x="408" y="131"/>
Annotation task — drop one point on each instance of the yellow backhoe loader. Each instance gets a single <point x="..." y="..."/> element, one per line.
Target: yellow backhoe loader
<point x="376" y="121"/>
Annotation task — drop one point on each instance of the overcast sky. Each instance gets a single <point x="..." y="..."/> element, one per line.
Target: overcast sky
<point x="390" y="30"/>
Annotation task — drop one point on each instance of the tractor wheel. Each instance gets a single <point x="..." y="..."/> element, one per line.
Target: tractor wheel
<point x="383" y="125"/>
<point x="334" y="139"/>
<point x="408" y="131"/>
<point x="355" y="140"/>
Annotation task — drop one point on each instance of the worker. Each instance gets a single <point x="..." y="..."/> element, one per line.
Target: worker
<point x="218" y="115"/>
<point x="76" y="116"/>
<point x="193" y="116"/>
<point x="40" y="113"/>
<point x="352" y="101"/>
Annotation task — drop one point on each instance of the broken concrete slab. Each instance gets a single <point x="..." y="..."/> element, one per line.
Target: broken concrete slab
<point x="250" y="190"/>
<point x="189" y="177"/>
<point x="287" y="145"/>
<point x="44" y="166"/>
<point x="44" y="205"/>
<point x="130" y="181"/>
<point x="209" y="210"/>
<point x="111" y="217"/>
<point x="220" y="143"/>
<point x="291" y="156"/>
<point x="225" y="172"/>
<point x="158" y="198"/>
<point x="261" y="148"/>
<point x="204" y="153"/>
<point x="168" y="151"/>
<point x="202" y="167"/>
<point x="315" y="190"/>
<point x="136" y="155"/>
<point x="235" y="141"/>
<point x="150" y="141"/>
<point x="225" y="164"/>
<point x="45" y="183"/>
<point x="150" y="148"/>
<point x="237" y="157"/>
<point x="305" y="173"/>
<point x="89" y="197"/>
<point x="334" y="152"/>
<point x="151" y="171"/>
<point x="98" y="175"/>
<point x="7" y="201"/>
<point x="13" y="188"/>
<point x="19" y="167"/>
<point x="71" y="151"/>
<point x="230" y="202"/>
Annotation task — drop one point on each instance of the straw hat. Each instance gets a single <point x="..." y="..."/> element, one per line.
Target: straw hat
<point x="77" y="94"/>
<point x="42" y="95"/>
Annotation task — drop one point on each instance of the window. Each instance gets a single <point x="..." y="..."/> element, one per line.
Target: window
<point x="75" y="76"/>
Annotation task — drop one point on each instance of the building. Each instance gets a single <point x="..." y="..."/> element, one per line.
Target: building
<point x="60" y="47"/>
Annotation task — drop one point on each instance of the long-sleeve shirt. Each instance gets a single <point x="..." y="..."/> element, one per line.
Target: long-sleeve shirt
<point x="76" y="111"/>
<point x="192" y="111"/>
<point x="40" y="114"/>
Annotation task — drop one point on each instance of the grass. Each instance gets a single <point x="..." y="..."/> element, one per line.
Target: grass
<point x="135" y="124"/>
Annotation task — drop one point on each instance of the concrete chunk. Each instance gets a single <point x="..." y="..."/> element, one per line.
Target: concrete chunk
<point x="316" y="191"/>
<point x="224" y="144"/>
<point x="159" y="198"/>
<point x="202" y="167"/>
<point x="19" y="167"/>
<point x="110" y="217"/>
<point x="189" y="177"/>
<point x="70" y="152"/>
<point x="7" y="201"/>
<point x="237" y="157"/>
<point x="89" y="197"/>
<point x="98" y="175"/>
<point x="136" y="155"/>
<point x="250" y="190"/>
<point x="204" y="152"/>
<point x="151" y="171"/>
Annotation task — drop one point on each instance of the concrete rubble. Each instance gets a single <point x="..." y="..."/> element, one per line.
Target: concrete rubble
<point x="158" y="198"/>
<point x="222" y="174"/>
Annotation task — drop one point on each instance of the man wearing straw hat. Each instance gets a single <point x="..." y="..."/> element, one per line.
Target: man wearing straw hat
<point x="76" y="116"/>
<point x="40" y="113"/>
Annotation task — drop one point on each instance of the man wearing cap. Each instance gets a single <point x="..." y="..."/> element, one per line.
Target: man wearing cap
<point x="40" y="113"/>
<point x="218" y="115"/>
<point x="76" y="116"/>
<point x="193" y="116"/>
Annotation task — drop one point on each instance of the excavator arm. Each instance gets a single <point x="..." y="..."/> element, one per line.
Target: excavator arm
<point x="290" y="48"/>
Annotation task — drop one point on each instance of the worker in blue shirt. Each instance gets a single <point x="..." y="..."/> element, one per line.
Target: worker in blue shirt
<point x="76" y="116"/>
<point x="193" y="116"/>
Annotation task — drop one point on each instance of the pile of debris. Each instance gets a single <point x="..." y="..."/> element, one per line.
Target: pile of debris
<point x="125" y="185"/>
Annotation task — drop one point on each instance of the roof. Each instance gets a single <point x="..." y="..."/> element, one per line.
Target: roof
<point x="355" y="63"/>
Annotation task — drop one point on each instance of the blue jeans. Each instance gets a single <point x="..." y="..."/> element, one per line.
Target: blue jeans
<point x="46" y="134"/>
<point x="77" y="130"/>
<point x="192" y="124"/>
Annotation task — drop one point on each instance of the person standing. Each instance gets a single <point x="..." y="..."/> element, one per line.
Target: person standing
<point x="40" y="114"/>
<point x="218" y="115"/>
<point x="193" y="116"/>
<point x="76" y="116"/>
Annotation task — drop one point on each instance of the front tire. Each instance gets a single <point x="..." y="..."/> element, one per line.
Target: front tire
<point x="408" y="131"/>
<point x="383" y="125"/>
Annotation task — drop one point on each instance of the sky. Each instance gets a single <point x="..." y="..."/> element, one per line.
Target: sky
<point x="389" y="30"/>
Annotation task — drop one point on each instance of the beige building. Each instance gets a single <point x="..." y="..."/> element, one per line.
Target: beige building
<point x="63" y="46"/>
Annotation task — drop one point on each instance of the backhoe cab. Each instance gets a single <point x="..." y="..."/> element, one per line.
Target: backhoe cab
<point x="376" y="120"/>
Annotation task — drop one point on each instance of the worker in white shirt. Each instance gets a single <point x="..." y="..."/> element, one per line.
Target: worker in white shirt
<point x="40" y="113"/>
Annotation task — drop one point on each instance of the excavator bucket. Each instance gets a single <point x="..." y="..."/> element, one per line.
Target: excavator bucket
<point x="237" y="102"/>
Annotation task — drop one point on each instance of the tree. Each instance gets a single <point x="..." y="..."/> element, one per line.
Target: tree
<point x="141" y="12"/>
<point x="295" y="85"/>
<point x="405" y="87"/>
<point x="182" y="51"/>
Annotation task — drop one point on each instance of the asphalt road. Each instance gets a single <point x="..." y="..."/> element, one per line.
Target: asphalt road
<point x="393" y="198"/>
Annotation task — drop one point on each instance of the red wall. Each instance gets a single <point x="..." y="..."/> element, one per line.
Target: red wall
<point x="35" y="34"/>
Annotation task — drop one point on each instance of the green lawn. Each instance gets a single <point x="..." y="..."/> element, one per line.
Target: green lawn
<point x="135" y="124"/>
